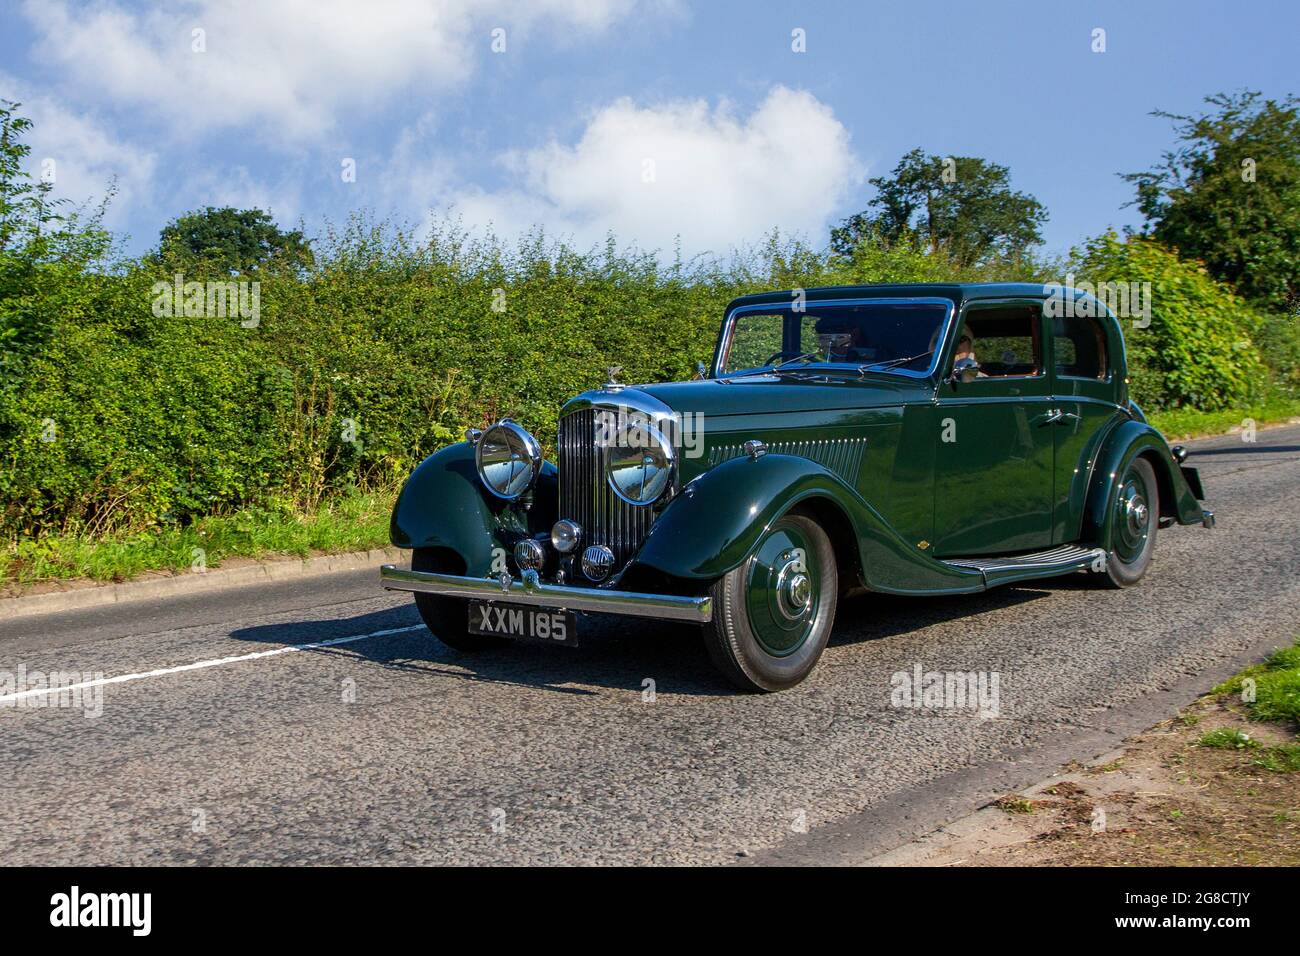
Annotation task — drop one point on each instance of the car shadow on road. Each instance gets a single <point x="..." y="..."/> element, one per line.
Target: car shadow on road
<point x="873" y="617"/>
<point x="617" y="654"/>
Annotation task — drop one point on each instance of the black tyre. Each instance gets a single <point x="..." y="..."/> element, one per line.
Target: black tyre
<point x="447" y="618"/>
<point x="772" y="616"/>
<point x="1134" y="526"/>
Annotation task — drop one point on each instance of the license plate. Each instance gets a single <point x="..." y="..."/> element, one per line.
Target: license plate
<point x="524" y="623"/>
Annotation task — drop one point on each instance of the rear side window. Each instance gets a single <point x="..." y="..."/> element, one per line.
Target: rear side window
<point x="1080" y="347"/>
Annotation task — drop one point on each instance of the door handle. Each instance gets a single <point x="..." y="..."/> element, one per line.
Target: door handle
<point x="1055" y="416"/>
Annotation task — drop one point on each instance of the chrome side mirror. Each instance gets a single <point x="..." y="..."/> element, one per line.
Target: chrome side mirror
<point x="964" y="370"/>
<point x="701" y="370"/>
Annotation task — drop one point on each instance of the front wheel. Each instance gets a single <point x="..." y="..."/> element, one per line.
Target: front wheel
<point x="1134" y="524"/>
<point x="772" y="616"/>
<point x="447" y="618"/>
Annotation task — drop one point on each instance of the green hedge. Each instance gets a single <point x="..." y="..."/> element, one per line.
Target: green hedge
<point x="159" y="420"/>
<point x="1198" y="350"/>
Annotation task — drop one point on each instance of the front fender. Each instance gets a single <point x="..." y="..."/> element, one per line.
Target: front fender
<point x="716" y="523"/>
<point x="443" y="504"/>
<point x="1125" y="443"/>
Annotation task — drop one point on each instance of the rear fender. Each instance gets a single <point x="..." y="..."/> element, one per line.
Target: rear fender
<point x="1178" y="500"/>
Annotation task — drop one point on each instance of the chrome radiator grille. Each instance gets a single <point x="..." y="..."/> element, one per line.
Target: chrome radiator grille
<point x="585" y="495"/>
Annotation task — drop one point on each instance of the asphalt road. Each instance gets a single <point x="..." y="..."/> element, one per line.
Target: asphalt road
<point x="393" y="749"/>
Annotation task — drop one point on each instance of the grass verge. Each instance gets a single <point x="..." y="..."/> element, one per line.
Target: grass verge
<point x="355" y="522"/>
<point x="1183" y="424"/>
<point x="1269" y="691"/>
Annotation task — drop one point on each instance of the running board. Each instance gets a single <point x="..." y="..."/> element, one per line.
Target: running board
<point x="1040" y="564"/>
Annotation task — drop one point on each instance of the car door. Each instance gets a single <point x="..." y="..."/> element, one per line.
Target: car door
<point x="1085" y="390"/>
<point x="996" y="442"/>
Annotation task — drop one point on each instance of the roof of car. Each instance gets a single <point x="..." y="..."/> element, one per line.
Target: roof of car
<point x="957" y="291"/>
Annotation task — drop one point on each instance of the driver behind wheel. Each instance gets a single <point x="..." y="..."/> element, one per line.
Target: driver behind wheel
<point x="966" y="349"/>
<point x="841" y="341"/>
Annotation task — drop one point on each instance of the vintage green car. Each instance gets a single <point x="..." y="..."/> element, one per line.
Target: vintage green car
<point x="907" y="439"/>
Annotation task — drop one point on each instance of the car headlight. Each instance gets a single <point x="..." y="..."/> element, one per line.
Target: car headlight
<point x="565" y="535"/>
<point x="509" y="459"/>
<point x="640" y="465"/>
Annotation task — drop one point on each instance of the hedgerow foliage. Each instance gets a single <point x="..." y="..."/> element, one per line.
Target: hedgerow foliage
<point x="118" y="419"/>
<point x="377" y="349"/>
<point x="1199" y="348"/>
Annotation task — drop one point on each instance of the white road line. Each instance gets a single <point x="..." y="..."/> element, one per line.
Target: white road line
<point x="164" y="671"/>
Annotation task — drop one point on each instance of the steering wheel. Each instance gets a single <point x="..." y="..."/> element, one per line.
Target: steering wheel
<point x="781" y="355"/>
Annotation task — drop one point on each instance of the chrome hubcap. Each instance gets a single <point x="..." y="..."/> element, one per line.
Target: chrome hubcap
<point x="793" y="589"/>
<point x="1133" y="521"/>
<point x="1136" y="512"/>
<point x="782" y="590"/>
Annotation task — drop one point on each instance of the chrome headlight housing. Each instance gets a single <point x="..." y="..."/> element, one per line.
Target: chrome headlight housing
<point x="566" y="535"/>
<point x="508" y="458"/>
<point x="641" y="464"/>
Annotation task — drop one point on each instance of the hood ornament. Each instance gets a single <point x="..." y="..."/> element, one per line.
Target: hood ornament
<point x="612" y="384"/>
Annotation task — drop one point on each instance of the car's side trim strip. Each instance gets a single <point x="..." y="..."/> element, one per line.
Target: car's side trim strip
<point x="532" y="591"/>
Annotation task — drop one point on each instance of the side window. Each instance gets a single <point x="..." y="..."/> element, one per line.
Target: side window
<point x="1080" y="344"/>
<point x="1006" y="342"/>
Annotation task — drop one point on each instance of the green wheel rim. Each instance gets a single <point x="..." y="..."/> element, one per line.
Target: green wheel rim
<point x="782" y="586"/>
<point x="1132" y="522"/>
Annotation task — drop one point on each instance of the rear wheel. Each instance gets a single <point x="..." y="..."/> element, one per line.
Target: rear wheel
<point x="447" y="618"/>
<point x="1134" y="524"/>
<point x="772" y="616"/>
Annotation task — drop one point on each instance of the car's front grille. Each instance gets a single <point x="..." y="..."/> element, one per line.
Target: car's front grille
<point x="585" y="495"/>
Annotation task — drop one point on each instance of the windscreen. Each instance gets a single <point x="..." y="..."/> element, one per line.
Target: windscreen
<point x="902" y="335"/>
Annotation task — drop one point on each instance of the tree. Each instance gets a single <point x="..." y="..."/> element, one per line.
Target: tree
<point x="234" y="240"/>
<point x="1229" y="195"/>
<point x="26" y="209"/>
<point x="960" y="205"/>
<point x="41" y="245"/>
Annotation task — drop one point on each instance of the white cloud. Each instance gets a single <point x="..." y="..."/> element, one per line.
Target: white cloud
<point x="293" y="65"/>
<point x="240" y="188"/>
<point x="650" y="174"/>
<point x="86" y="156"/>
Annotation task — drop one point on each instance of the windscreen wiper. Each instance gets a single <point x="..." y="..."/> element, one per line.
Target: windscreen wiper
<point x="893" y="363"/>
<point x="798" y="358"/>
<point x="779" y="367"/>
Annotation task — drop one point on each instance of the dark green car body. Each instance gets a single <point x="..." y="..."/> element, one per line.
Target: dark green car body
<point x="924" y="485"/>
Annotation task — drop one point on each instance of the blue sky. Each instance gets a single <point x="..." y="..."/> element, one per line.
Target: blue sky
<point x="650" y="118"/>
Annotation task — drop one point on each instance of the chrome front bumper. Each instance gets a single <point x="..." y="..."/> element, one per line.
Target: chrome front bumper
<point x="530" y="590"/>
